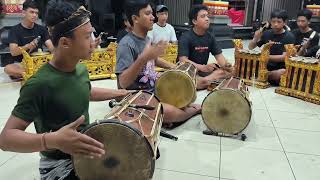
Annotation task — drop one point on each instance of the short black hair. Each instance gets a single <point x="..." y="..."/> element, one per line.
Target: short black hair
<point x="29" y="4"/>
<point x="279" y="13"/>
<point x="133" y="7"/>
<point x="58" y="11"/>
<point x="193" y="14"/>
<point x="306" y="13"/>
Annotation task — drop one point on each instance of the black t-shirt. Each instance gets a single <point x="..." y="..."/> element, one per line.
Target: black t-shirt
<point x="22" y="36"/>
<point x="299" y="39"/>
<point x="197" y="48"/>
<point x="276" y="49"/>
<point x="282" y="39"/>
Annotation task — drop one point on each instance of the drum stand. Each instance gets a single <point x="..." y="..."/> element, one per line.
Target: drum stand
<point x="243" y="137"/>
<point x="167" y="135"/>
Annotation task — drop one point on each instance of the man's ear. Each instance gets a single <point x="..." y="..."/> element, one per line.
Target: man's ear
<point x="64" y="42"/>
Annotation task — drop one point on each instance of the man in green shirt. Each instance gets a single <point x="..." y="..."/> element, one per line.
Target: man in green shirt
<point x="57" y="98"/>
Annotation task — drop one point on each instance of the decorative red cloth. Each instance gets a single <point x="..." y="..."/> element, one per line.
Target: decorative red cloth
<point x="237" y="17"/>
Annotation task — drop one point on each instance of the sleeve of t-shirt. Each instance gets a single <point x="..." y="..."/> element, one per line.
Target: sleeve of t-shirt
<point x="315" y="40"/>
<point x="173" y="36"/>
<point x="215" y="48"/>
<point x="13" y="36"/>
<point x="183" y="45"/>
<point x="124" y="58"/>
<point x="263" y="39"/>
<point x="30" y="102"/>
<point x="290" y="39"/>
<point x="45" y="34"/>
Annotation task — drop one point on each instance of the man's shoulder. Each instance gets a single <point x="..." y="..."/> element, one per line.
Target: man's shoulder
<point x="296" y="31"/>
<point x="290" y="34"/>
<point x="126" y="40"/>
<point x="187" y="34"/>
<point x="16" y="27"/>
<point x="39" y="27"/>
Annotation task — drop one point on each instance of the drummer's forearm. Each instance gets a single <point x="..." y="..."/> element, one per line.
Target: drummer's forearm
<point x="185" y="59"/>
<point x="102" y="94"/>
<point x="128" y="76"/>
<point x="164" y="64"/>
<point x="49" y="45"/>
<point x="221" y="60"/>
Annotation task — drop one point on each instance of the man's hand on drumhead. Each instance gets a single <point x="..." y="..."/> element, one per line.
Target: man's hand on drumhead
<point x="152" y="52"/>
<point x="70" y="141"/>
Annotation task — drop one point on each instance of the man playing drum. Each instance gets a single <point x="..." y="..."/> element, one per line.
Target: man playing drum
<point x="136" y="59"/>
<point x="196" y="44"/>
<point x="56" y="99"/>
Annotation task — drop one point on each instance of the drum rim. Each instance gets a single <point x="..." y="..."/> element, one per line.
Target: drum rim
<point x="124" y="124"/>
<point x="185" y="75"/>
<point x="233" y="90"/>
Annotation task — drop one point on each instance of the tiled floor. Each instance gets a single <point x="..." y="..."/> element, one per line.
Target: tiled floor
<point x="283" y="142"/>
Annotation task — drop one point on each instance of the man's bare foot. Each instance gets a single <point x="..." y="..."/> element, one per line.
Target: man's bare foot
<point x="193" y="109"/>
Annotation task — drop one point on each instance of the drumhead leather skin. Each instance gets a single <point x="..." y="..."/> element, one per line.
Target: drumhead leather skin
<point x="175" y="88"/>
<point x="226" y="111"/>
<point x="128" y="154"/>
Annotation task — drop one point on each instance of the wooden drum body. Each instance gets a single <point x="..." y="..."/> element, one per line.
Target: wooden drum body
<point x="177" y="86"/>
<point x="227" y="109"/>
<point x="131" y="137"/>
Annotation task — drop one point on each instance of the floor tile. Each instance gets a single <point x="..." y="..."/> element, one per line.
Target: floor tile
<point x="21" y="167"/>
<point x="280" y="102"/>
<point x="253" y="164"/>
<point x="260" y="137"/>
<point x="300" y="141"/>
<point x="299" y="121"/>
<point x="168" y="175"/>
<point x="194" y="134"/>
<point x="261" y="117"/>
<point x="190" y="157"/>
<point x="5" y="156"/>
<point x="315" y="108"/>
<point x="305" y="167"/>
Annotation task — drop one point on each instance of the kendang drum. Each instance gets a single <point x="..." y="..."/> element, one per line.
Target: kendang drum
<point x="227" y="109"/>
<point x="178" y="86"/>
<point x="130" y="134"/>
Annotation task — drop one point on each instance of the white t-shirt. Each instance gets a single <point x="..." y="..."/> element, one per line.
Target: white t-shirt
<point x="159" y="33"/>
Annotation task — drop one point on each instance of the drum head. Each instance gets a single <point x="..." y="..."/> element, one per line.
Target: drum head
<point x="175" y="88"/>
<point x="128" y="154"/>
<point x="226" y="111"/>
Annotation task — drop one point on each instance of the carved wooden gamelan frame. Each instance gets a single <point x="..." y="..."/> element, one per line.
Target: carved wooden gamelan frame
<point x="284" y="88"/>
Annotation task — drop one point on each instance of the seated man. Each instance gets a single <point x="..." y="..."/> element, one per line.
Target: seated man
<point x="25" y="35"/>
<point x="136" y="59"/>
<point x="124" y="32"/>
<point x="305" y="45"/>
<point x="279" y="37"/>
<point x="56" y="99"/>
<point x="196" y="44"/>
<point x="162" y="31"/>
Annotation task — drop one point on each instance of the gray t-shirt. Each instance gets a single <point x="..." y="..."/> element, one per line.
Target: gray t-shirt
<point x="128" y="50"/>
